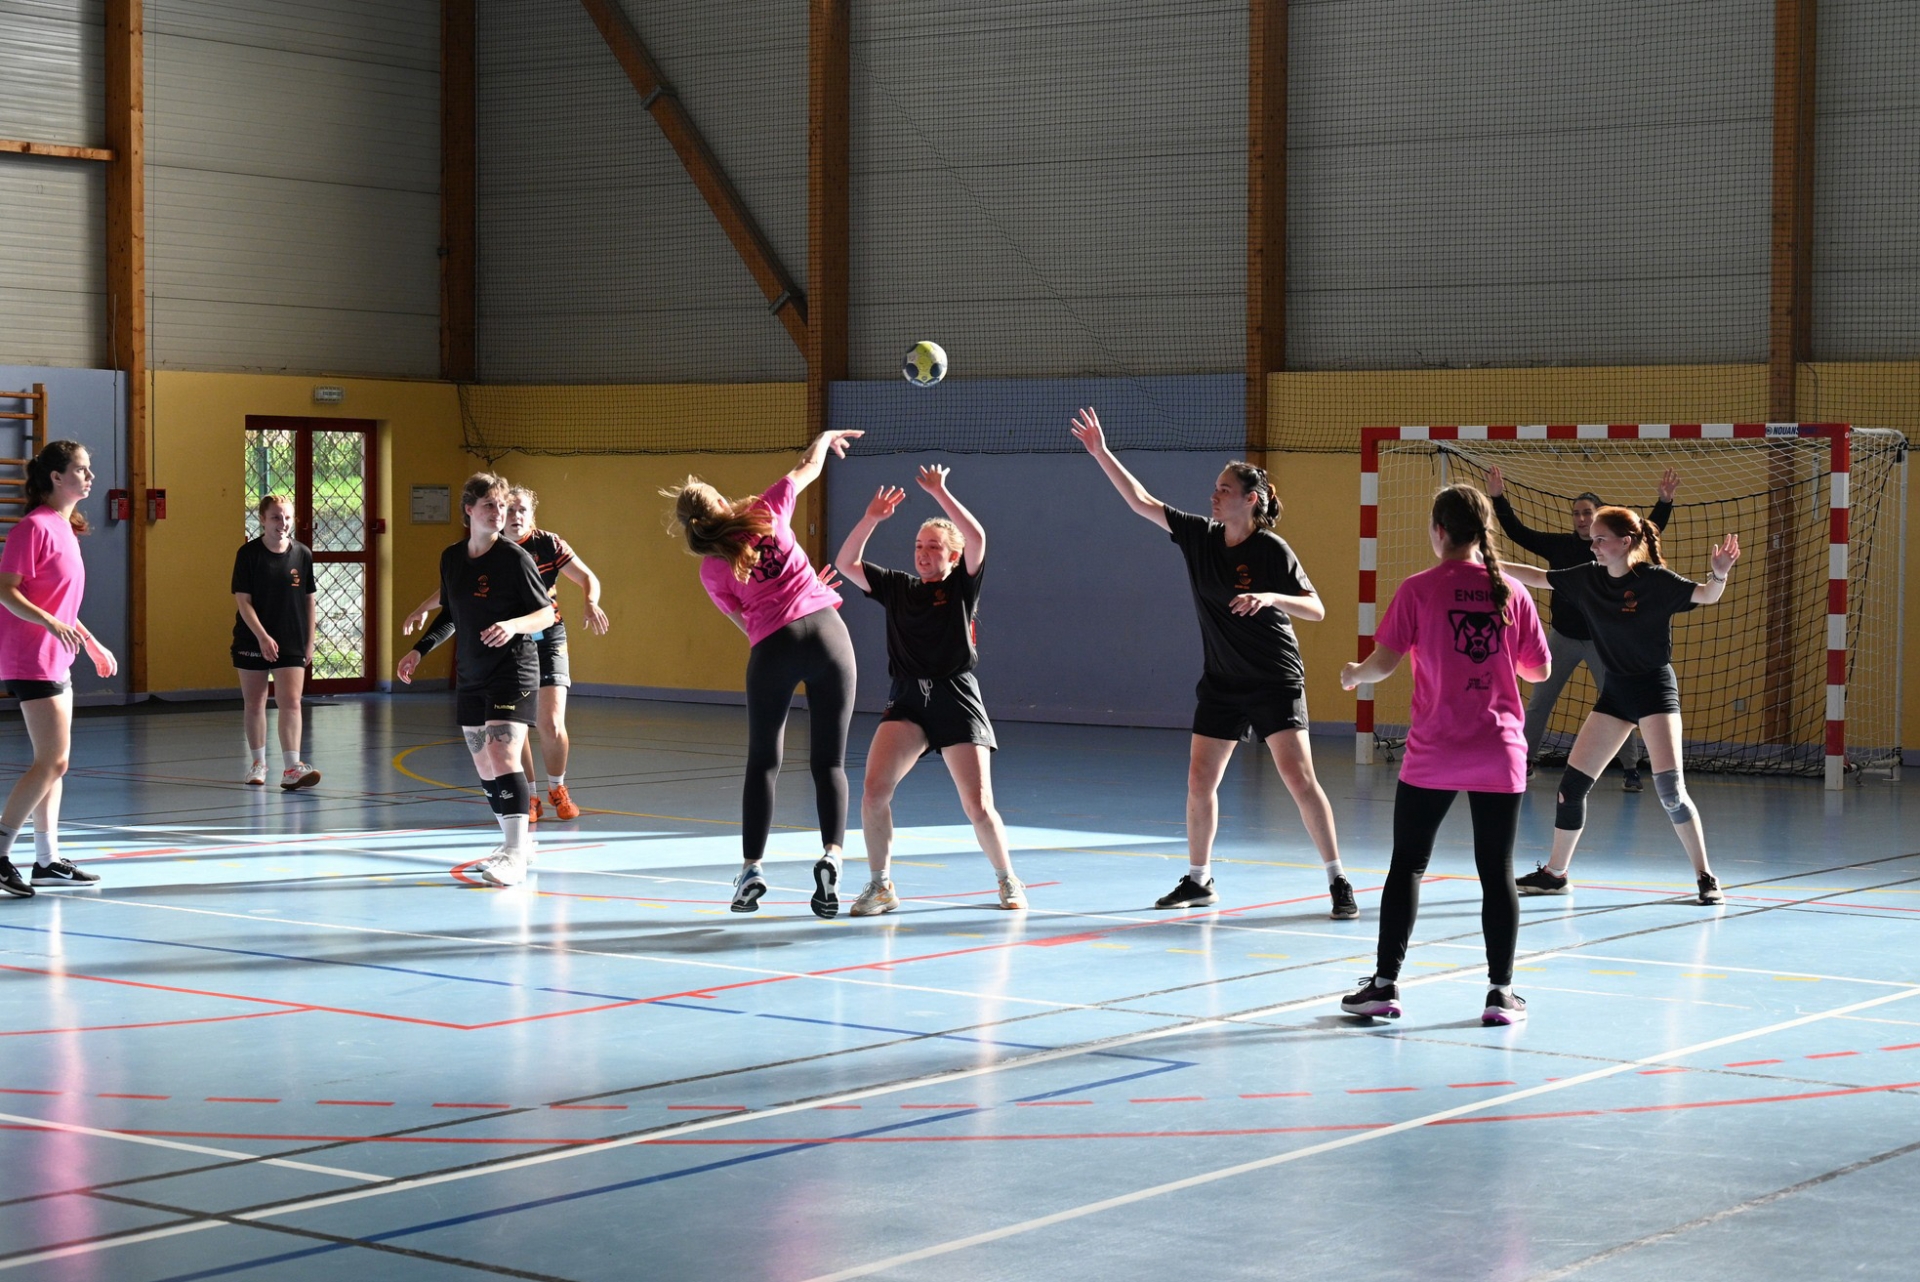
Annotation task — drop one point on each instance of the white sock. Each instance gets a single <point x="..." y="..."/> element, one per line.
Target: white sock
<point x="46" y="847"/>
<point x="1200" y="873"/>
<point x="1334" y="871"/>
<point x="258" y="756"/>
<point x="556" y="781"/>
<point x="513" y="829"/>
<point x="1505" y="990"/>
<point x="289" y="758"/>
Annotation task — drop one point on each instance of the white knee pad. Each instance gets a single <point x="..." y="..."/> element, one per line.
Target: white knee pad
<point x="1673" y="795"/>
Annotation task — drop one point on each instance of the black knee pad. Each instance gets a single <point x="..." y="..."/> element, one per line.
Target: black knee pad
<point x="1570" y="808"/>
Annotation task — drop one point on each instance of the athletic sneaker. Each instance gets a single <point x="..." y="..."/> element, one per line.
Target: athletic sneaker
<point x="1013" y="893"/>
<point x="1375" y="1000"/>
<point x="533" y="807"/>
<point x="11" y="882"/>
<point x="747" y="889"/>
<point x="298" y="775"/>
<point x="1344" y="907"/>
<point x="1631" y="783"/>
<point x="826" y="887"/>
<point x="257" y="774"/>
<point x="61" y="872"/>
<point x="499" y="868"/>
<point x="563" y="807"/>
<point x="1529" y="770"/>
<point x="1189" y="894"/>
<point x="877" y="898"/>
<point x="1541" y="882"/>
<point x="1503" y="1008"/>
<point x="1710" y="892"/>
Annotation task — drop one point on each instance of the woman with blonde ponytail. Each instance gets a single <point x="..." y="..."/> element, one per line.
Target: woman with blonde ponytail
<point x="1471" y="632"/>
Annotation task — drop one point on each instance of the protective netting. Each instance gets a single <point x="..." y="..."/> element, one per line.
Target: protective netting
<point x="1752" y="668"/>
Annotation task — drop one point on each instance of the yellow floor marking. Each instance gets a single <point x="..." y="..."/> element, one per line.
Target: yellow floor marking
<point x="1699" y="974"/>
<point x="1109" y="945"/>
<point x="1529" y="967"/>
<point x="1441" y="965"/>
<point x="964" y="934"/>
<point x="711" y="912"/>
<point x="1269" y="956"/>
<point x="1613" y="972"/>
<point x="1197" y="952"/>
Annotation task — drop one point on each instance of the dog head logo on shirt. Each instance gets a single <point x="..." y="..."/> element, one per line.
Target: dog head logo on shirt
<point x="480" y="586"/>
<point x="293" y="578"/>
<point x="939" y="597"/>
<point x="1627" y="604"/>
<point x="1476" y="634"/>
<point x="768" y="567"/>
<point x="1243" y="578"/>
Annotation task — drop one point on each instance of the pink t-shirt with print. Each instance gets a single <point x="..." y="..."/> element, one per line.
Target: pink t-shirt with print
<point x="782" y="585"/>
<point x="1467" y="730"/>
<point x="43" y="551"/>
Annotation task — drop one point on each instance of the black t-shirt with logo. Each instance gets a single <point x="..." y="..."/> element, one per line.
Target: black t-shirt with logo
<point x="281" y="587"/>
<point x="1631" y="617"/>
<point x="477" y="592"/>
<point x="1560" y="551"/>
<point x="930" y="626"/>
<point x="1256" y="649"/>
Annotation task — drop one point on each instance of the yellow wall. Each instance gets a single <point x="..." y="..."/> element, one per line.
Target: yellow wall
<point x="199" y="427"/>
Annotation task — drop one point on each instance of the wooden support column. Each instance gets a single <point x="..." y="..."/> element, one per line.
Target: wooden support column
<point x="1789" y="346"/>
<point x="782" y="293"/>
<point x="1266" y="214"/>
<point x="829" y="167"/>
<point x="459" y="237"/>
<point x="127" y="290"/>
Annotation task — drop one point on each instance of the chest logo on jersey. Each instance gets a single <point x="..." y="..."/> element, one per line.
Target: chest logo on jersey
<point x="1242" y="578"/>
<point x="293" y="578"/>
<point x="768" y="567"/>
<point x="480" y="587"/>
<point x="1627" y="604"/>
<point x="939" y="597"/>
<point x="1476" y="634"/>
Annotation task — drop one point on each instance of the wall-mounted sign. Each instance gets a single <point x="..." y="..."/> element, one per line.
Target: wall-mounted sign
<point x="432" y="504"/>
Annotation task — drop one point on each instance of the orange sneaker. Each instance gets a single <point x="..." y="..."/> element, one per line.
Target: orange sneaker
<point x="563" y="807"/>
<point x="533" y="808"/>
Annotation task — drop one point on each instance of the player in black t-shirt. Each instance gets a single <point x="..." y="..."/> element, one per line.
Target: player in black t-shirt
<point x="493" y="599"/>
<point x="273" y="629"/>
<point x="1628" y="597"/>
<point x="1567" y="633"/>
<point x="934" y="704"/>
<point x="1247" y="588"/>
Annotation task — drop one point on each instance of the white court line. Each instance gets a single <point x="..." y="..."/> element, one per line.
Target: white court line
<point x="686" y="1128"/>
<point x="1348" y="1141"/>
<point x="40" y="1124"/>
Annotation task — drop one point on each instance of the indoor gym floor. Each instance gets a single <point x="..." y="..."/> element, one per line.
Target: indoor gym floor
<point x="280" y="1041"/>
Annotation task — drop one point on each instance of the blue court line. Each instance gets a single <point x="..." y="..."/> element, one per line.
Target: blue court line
<point x="642" y="1181"/>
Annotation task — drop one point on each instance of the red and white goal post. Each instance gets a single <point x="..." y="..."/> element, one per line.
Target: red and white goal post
<point x="1747" y="473"/>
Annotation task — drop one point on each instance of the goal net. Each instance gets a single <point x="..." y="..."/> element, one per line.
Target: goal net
<point x="1795" y="671"/>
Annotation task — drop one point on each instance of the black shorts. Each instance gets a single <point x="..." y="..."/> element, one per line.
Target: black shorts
<point x="249" y="659"/>
<point x="554" y="669"/>
<point x="25" y="689"/>
<point x="949" y="710"/>
<point x="1631" y="696"/>
<point x="1224" y="710"/>
<point x="494" y="703"/>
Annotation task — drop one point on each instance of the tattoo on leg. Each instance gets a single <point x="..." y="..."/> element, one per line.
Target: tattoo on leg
<point x="476" y="737"/>
<point x="501" y="731"/>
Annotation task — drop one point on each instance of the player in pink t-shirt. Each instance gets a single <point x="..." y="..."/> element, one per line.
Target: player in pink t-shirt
<point x="758" y="576"/>
<point x="42" y="579"/>
<point x="1471" y="630"/>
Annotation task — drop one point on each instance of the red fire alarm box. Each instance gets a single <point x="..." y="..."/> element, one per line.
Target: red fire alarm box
<point x="119" y="505"/>
<point x="156" y="505"/>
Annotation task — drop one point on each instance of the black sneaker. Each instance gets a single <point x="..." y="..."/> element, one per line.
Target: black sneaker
<point x="61" y="872"/>
<point x="1631" y="783"/>
<point x="1189" y="894"/>
<point x="1503" y="1008"/>
<point x="1541" y="882"/>
<point x="1344" y="907"/>
<point x="826" y="888"/>
<point x="1375" y="1000"/>
<point x="11" y="882"/>
<point x="1710" y="892"/>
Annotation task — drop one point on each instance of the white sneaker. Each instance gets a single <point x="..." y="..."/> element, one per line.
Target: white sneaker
<point x="748" y="887"/>
<point x="499" y="868"/>
<point x="877" y="898"/>
<point x="299" y="775"/>
<point x="1013" y="893"/>
<point x="257" y="774"/>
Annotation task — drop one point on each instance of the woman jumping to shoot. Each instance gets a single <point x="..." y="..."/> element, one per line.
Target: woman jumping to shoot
<point x="1247" y="588"/>
<point x="935" y="704"/>
<point x="1628" y="597"/>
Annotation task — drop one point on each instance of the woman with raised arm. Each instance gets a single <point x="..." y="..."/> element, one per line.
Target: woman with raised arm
<point x="42" y="580"/>
<point x="1247" y="588"/>
<point x="1471" y="632"/>
<point x="492" y="598"/>
<point x="1628" y="596"/>
<point x="934" y="704"/>
<point x="273" y="630"/>
<point x="757" y="575"/>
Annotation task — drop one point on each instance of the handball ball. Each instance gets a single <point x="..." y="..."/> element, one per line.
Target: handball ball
<point x="925" y="365"/>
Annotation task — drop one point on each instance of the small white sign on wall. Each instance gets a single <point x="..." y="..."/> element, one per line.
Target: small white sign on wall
<point x="432" y="504"/>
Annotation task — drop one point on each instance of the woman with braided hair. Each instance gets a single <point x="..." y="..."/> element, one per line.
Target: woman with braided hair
<point x="1629" y="597"/>
<point x="1248" y="587"/>
<point x="1471" y="631"/>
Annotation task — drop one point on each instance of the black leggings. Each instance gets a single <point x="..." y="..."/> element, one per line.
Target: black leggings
<point x="817" y="650"/>
<point x="1417" y="813"/>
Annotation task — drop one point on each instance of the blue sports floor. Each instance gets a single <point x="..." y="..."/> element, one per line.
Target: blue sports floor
<point x="282" y="1042"/>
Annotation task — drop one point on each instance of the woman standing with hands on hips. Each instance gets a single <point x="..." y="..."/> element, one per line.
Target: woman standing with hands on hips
<point x="1247" y="588"/>
<point x="757" y="575"/>
<point x="42" y="579"/>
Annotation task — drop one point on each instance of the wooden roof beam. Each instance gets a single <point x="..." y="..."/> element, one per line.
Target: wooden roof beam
<point x="57" y="150"/>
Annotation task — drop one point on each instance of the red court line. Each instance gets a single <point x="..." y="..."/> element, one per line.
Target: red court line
<point x="358" y="1103"/>
<point x="473" y="1106"/>
<point x="1050" y="1103"/>
<point x="1382" y="1090"/>
<point x="1753" y="1063"/>
<point x="1280" y="1095"/>
<point x="1462" y="1086"/>
<point x="1170" y="1099"/>
<point x="1904" y="1046"/>
<point x="1833" y="1055"/>
<point x="158" y="1023"/>
<point x="238" y="1099"/>
<point x="1661" y="1072"/>
<point x="117" y="1095"/>
<point x="16" y="1090"/>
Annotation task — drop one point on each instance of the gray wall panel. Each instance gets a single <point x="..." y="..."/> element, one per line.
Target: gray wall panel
<point x="599" y="261"/>
<point x="53" y="288"/>
<point x="399" y="33"/>
<point x="1050" y="188"/>
<point x="50" y="68"/>
<point x="1522" y="184"/>
<point x="1866" y="257"/>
